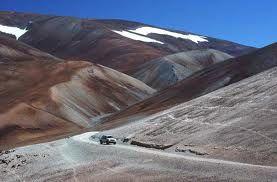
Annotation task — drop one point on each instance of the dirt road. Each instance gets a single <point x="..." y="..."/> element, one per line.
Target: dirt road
<point x="81" y="159"/>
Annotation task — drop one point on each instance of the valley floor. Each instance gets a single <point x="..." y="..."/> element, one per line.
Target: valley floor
<point x="79" y="158"/>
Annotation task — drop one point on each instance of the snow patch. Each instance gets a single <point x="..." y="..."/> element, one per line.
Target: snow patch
<point x="148" y="30"/>
<point x="136" y="37"/>
<point x="13" y="30"/>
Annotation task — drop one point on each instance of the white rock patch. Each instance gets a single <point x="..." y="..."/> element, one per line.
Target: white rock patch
<point x="13" y="30"/>
<point x="148" y="30"/>
<point x="136" y="37"/>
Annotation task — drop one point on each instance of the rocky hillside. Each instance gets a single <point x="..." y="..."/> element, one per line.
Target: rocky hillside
<point x="236" y="123"/>
<point x="119" y="44"/>
<point x="43" y="96"/>
<point x="163" y="72"/>
<point x="201" y="83"/>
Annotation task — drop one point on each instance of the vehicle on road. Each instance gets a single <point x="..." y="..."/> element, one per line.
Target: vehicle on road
<point x="107" y="139"/>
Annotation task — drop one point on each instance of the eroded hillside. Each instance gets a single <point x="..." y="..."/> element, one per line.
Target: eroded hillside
<point x="43" y="96"/>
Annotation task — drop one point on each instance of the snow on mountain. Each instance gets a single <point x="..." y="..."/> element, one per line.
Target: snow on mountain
<point x="149" y="30"/>
<point x="13" y="30"/>
<point x="136" y="37"/>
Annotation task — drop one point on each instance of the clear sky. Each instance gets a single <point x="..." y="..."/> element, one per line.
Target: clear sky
<point x="250" y="22"/>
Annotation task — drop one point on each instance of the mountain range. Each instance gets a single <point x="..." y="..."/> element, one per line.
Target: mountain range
<point x="160" y="88"/>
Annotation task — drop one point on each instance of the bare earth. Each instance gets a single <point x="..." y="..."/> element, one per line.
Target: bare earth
<point x="80" y="159"/>
<point x="236" y="123"/>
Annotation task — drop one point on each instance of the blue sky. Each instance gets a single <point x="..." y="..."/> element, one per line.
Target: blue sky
<point x="250" y="22"/>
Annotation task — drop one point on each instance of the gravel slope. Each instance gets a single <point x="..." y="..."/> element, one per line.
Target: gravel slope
<point x="237" y="122"/>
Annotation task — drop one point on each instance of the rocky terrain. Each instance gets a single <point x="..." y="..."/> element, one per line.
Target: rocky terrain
<point x="163" y="72"/>
<point x="200" y="83"/>
<point x="79" y="158"/>
<point x="183" y="106"/>
<point x="237" y="123"/>
<point x="42" y="95"/>
<point x="102" y="41"/>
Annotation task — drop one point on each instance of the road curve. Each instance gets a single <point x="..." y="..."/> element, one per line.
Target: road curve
<point x="79" y="158"/>
<point x="86" y="137"/>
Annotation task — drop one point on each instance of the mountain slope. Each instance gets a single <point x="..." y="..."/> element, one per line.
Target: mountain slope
<point x="201" y="83"/>
<point x="118" y="44"/>
<point x="38" y="93"/>
<point x="236" y="123"/>
<point x="163" y="72"/>
<point x="97" y="91"/>
<point x="177" y="41"/>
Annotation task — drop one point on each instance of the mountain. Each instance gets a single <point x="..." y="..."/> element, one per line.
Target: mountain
<point x="43" y="97"/>
<point x="235" y="123"/>
<point x="181" y="105"/>
<point x="163" y="72"/>
<point x="200" y="83"/>
<point x="176" y="41"/>
<point x="78" y="85"/>
<point x="118" y="44"/>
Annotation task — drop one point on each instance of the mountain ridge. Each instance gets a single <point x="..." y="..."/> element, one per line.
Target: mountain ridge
<point x="200" y="83"/>
<point x="43" y="96"/>
<point x="162" y="72"/>
<point x="75" y="38"/>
